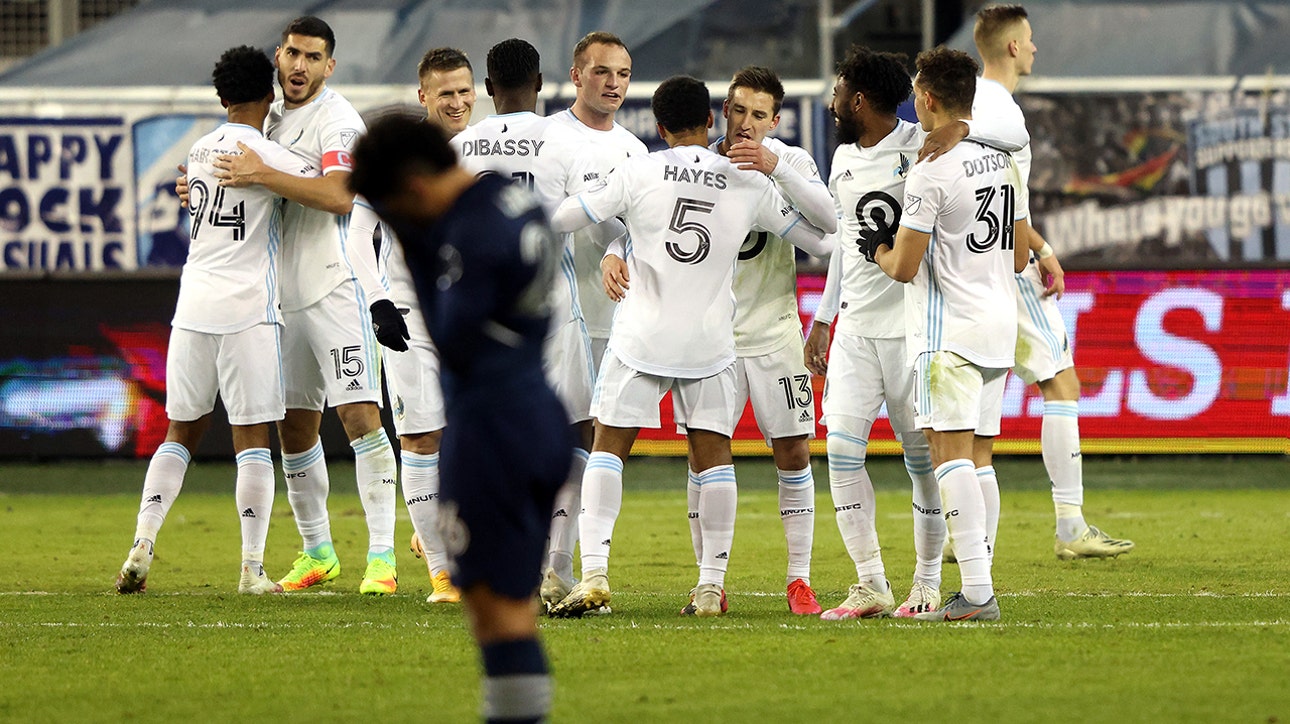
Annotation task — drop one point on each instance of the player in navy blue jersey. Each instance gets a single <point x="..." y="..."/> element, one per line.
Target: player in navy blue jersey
<point x="483" y="261"/>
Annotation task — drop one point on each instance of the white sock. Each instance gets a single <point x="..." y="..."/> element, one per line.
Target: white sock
<point x="1059" y="439"/>
<point x="718" y="501"/>
<point x="965" y="518"/>
<point x="929" y="519"/>
<point x="377" y="475"/>
<point x="692" y="515"/>
<point x="602" y="499"/>
<point x="161" y="486"/>
<point x="564" y="519"/>
<point x="419" y="475"/>
<point x="307" y="488"/>
<point x="797" y="513"/>
<point x="853" y="504"/>
<point x="989" y="482"/>
<point x="254" y="496"/>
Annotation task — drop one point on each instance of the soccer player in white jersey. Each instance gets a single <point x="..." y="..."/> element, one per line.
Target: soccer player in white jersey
<point x="674" y="328"/>
<point x="1044" y="357"/>
<point x="225" y="337"/>
<point x="955" y="248"/>
<point x="554" y="162"/>
<point x="768" y="333"/>
<point x="446" y="90"/>
<point x="329" y="352"/>
<point x="601" y="72"/>
<point x="866" y="365"/>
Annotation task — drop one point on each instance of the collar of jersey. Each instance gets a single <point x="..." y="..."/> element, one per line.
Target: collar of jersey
<point x="512" y="115"/>
<point x="244" y="125"/>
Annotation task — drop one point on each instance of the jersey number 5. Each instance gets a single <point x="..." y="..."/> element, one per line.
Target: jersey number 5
<point x="681" y="226"/>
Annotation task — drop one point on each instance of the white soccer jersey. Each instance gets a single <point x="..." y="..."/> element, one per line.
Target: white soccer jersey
<point x="230" y="281"/>
<point x="313" y="255"/>
<point x="687" y="211"/>
<point x="963" y="298"/>
<point x="994" y="104"/>
<point x="548" y="158"/>
<point x="868" y="185"/>
<point x="607" y="149"/>
<point x="765" y="281"/>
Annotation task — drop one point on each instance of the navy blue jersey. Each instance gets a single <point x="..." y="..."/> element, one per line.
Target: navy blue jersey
<point x="482" y="274"/>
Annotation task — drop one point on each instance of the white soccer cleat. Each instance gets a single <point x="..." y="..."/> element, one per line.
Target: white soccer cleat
<point x="256" y="583"/>
<point x="133" y="577"/>
<point x="553" y="589"/>
<point x="1093" y="543"/>
<point x="863" y="602"/>
<point x="709" y="601"/>
<point x="922" y="598"/>
<point x="589" y="596"/>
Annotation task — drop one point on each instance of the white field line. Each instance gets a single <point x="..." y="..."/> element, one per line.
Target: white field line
<point x="632" y="625"/>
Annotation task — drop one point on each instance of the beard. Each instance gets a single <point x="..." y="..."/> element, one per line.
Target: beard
<point x="848" y="130"/>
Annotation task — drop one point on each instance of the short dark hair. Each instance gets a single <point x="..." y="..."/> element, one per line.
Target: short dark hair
<point x="595" y="37"/>
<point x="991" y="22"/>
<point x="312" y="27"/>
<point x="950" y="76"/>
<point x="681" y="103"/>
<point x="442" y="60"/>
<point x="243" y="75"/>
<point x="394" y="147"/>
<point x="760" y="79"/>
<point x="513" y="63"/>
<point x="882" y="78"/>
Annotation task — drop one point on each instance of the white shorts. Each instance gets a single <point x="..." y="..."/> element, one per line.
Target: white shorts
<point x="412" y="381"/>
<point x="566" y="361"/>
<point x="598" y="345"/>
<point x="779" y="386"/>
<point x="629" y="398"/>
<point x="329" y="352"/>
<point x="863" y="373"/>
<point x="243" y="368"/>
<point x="951" y="393"/>
<point x="1043" y="347"/>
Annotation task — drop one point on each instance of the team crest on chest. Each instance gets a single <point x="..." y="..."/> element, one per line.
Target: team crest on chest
<point x="902" y="168"/>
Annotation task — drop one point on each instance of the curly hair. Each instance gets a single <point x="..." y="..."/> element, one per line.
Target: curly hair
<point x="881" y="77"/>
<point x="242" y="75"/>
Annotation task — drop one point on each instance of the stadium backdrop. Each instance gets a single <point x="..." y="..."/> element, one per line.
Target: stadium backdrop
<point x="1171" y="208"/>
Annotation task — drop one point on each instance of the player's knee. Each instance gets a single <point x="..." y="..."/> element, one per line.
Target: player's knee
<point x="359" y="418"/>
<point x="421" y="443"/>
<point x="791" y="453"/>
<point x="847" y="454"/>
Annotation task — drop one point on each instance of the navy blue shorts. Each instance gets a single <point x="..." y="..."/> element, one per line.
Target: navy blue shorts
<point x="501" y="462"/>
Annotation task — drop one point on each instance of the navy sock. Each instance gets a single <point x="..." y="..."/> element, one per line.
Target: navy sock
<point x="517" y="683"/>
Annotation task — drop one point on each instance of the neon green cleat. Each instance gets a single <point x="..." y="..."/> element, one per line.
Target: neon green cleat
<point x="309" y="570"/>
<point x="381" y="578"/>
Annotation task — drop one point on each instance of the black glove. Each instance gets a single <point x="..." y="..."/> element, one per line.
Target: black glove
<point x="388" y="324"/>
<point x="870" y="240"/>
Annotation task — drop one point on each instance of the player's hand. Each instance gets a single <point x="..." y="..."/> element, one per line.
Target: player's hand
<point x="613" y="270"/>
<point x="752" y="156"/>
<point x="181" y="185"/>
<point x="942" y="140"/>
<point x="817" y="349"/>
<point x="239" y="171"/>
<point x="388" y="324"/>
<point x="1054" y="278"/>
<point x="870" y="240"/>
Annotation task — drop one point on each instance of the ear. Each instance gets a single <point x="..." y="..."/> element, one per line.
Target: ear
<point x="662" y="132"/>
<point x="421" y="98"/>
<point x="1014" y="48"/>
<point x="331" y="68"/>
<point x="575" y="77"/>
<point x="725" y="109"/>
<point x="277" y="49"/>
<point x="774" y="122"/>
<point x="710" y="119"/>
<point x="538" y="87"/>
<point x="488" y="86"/>
<point x="859" y="101"/>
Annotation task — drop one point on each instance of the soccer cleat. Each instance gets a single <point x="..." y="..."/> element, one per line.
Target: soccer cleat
<point x="801" y="599"/>
<point x="553" y="589"/>
<point x="133" y="577"/>
<point x="256" y="582"/>
<point x="864" y="601"/>
<point x="381" y="578"/>
<point x="310" y="571"/>
<point x="922" y="598"/>
<point x="589" y="596"/>
<point x="958" y="608"/>
<point x="1092" y="544"/>
<point x="710" y="600"/>
<point x="444" y="591"/>
<point x="690" y="609"/>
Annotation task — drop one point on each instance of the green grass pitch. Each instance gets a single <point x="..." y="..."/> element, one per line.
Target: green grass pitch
<point x="1192" y="626"/>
